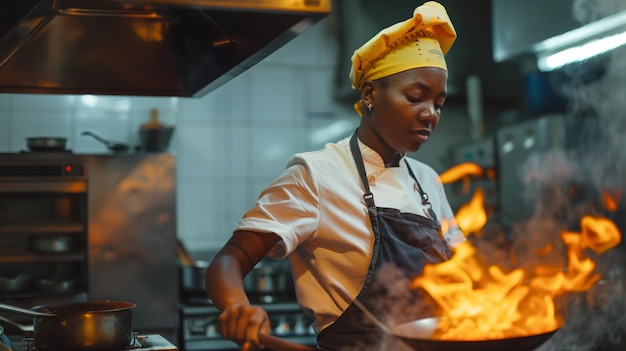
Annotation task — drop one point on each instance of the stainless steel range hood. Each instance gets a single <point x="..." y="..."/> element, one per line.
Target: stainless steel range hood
<point x="150" y="48"/>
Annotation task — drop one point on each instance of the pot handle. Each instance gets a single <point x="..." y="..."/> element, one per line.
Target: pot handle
<point x="278" y="344"/>
<point x="25" y="312"/>
<point x="26" y="329"/>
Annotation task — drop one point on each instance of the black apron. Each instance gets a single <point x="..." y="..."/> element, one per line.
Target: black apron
<point x="404" y="244"/>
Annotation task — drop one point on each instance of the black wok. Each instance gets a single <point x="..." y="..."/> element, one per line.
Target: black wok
<point x="417" y="335"/>
<point x="75" y="326"/>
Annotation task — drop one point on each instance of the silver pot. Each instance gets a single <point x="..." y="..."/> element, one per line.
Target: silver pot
<point x="265" y="281"/>
<point x="192" y="276"/>
<point x="268" y="280"/>
<point x="80" y="326"/>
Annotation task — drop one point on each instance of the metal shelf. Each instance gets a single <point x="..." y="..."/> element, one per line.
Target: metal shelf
<point x="43" y="257"/>
<point x="43" y="228"/>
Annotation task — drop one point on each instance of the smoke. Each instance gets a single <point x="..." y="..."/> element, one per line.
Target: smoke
<point x="564" y="185"/>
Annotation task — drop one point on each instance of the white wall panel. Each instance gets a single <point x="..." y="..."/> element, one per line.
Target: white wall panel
<point x="272" y="94"/>
<point x="200" y="151"/>
<point x="199" y="215"/>
<point x="43" y="103"/>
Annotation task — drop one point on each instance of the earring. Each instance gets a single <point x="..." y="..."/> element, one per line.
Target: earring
<point x="369" y="107"/>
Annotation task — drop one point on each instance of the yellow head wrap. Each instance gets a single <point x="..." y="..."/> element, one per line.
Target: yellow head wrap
<point x="420" y="41"/>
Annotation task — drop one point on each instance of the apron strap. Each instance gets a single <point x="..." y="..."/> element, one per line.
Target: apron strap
<point x="368" y="196"/>
<point x="424" y="196"/>
<point x="358" y="159"/>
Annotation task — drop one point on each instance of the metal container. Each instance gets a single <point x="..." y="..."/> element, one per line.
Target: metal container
<point x="270" y="281"/>
<point x="192" y="276"/>
<point x="156" y="140"/>
<point x="45" y="143"/>
<point x="87" y="326"/>
<point x="267" y="279"/>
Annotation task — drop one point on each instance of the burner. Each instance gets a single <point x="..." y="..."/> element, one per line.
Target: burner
<point x="139" y="342"/>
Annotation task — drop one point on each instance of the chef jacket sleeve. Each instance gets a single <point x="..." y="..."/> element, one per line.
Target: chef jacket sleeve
<point x="288" y="207"/>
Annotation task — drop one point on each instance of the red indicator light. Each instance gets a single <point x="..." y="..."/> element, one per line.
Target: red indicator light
<point x="68" y="169"/>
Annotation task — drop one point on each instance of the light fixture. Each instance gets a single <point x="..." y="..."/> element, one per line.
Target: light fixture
<point x="582" y="43"/>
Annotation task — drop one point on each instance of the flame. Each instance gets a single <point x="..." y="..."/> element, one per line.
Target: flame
<point x="599" y="234"/>
<point x="611" y="200"/>
<point x="479" y="302"/>
<point x="460" y="171"/>
<point x="471" y="217"/>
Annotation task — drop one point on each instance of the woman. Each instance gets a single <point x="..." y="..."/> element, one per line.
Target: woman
<point x="357" y="219"/>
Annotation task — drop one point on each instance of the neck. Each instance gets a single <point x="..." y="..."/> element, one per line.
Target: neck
<point x="369" y="137"/>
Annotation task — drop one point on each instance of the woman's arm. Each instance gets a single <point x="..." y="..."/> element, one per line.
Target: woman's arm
<point x="239" y="321"/>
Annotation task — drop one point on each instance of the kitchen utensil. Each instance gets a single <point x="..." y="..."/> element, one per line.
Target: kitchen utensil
<point x="192" y="276"/>
<point x="418" y="335"/>
<point x="156" y="139"/>
<point x="46" y="143"/>
<point x="191" y="271"/>
<point x="382" y="326"/>
<point x="269" y="279"/>
<point x="112" y="145"/>
<point x="27" y="330"/>
<point x="154" y="135"/>
<point x="277" y="344"/>
<point x="78" y="326"/>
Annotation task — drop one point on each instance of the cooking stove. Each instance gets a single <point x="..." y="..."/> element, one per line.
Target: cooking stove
<point x="139" y="342"/>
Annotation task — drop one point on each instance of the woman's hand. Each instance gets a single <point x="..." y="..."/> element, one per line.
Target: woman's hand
<point x="242" y="324"/>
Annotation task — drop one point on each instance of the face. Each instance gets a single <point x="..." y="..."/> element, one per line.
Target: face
<point x="406" y="108"/>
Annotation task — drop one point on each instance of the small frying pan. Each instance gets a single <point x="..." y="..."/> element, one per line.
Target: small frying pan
<point x="46" y="144"/>
<point x="112" y="145"/>
<point x="417" y="335"/>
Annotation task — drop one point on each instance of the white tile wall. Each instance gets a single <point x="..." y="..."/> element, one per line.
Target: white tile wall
<point x="5" y="101"/>
<point x="229" y="144"/>
<point x="5" y="114"/>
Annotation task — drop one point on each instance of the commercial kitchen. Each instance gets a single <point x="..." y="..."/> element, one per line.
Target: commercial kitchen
<point x="134" y="135"/>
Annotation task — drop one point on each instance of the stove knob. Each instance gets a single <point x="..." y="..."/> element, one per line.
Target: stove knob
<point x="283" y="327"/>
<point x="300" y="326"/>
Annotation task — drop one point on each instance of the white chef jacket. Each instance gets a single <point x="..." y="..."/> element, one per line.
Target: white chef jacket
<point x="316" y="207"/>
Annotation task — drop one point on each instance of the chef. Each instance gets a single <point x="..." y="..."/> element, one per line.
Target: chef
<point x="357" y="219"/>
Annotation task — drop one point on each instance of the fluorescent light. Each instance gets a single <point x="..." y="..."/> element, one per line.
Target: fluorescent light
<point x="581" y="52"/>
<point x="582" y="43"/>
<point x="576" y="36"/>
